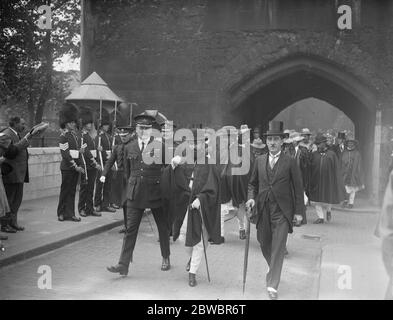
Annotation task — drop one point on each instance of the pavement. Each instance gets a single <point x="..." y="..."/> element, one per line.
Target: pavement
<point x="43" y="232"/>
<point x="336" y="260"/>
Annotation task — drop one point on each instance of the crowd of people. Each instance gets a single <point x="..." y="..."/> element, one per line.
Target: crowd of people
<point x="189" y="200"/>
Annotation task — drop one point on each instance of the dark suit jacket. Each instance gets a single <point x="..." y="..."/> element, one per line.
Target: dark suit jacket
<point x="19" y="165"/>
<point x="286" y="186"/>
<point x="144" y="180"/>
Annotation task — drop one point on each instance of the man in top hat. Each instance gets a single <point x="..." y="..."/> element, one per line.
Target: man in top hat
<point x="118" y="156"/>
<point x="325" y="179"/>
<point x="352" y="170"/>
<point x="143" y="191"/>
<point x="275" y="191"/>
<point x="86" y="192"/>
<point x="103" y="141"/>
<point x="71" y="164"/>
<point x="340" y="146"/>
<point x="196" y="202"/>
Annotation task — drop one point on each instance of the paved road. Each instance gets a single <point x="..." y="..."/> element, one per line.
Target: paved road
<point x="78" y="270"/>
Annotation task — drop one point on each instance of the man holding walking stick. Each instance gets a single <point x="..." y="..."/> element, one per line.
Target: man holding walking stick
<point x="197" y="203"/>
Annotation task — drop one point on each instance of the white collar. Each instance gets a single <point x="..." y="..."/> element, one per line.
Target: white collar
<point x="274" y="156"/>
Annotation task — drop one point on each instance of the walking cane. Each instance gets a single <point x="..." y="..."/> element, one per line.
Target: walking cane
<point x="204" y="247"/>
<point x="245" y="265"/>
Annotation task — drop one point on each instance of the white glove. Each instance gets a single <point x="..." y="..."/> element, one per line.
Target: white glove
<point x="102" y="179"/>
<point x="175" y="161"/>
<point x="250" y="204"/>
<point x="196" y="204"/>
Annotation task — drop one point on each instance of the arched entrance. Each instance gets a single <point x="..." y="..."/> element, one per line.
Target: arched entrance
<point x="259" y="97"/>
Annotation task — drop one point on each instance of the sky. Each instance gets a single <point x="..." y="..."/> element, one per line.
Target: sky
<point x="67" y="63"/>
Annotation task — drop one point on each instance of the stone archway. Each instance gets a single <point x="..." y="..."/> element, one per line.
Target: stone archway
<point x="259" y="97"/>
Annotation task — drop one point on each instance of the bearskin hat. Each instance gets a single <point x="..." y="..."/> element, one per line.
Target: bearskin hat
<point x="86" y="116"/>
<point x="105" y="120"/>
<point x="68" y="113"/>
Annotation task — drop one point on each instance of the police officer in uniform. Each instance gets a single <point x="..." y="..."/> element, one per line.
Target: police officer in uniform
<point x="71" y="163"/>
<point x="103" y="142"/>
<point x="143" y="191"/>
<point x="86" y="192"/>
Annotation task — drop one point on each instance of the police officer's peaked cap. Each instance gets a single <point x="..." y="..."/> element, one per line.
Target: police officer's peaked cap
<point x="144" y="120"/>
<point x="125" y="129"/>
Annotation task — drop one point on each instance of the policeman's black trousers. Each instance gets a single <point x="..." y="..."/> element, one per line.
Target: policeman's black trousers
<point x="86" y="192"/>
<point x="69" y="181"/>
<point x="14" y="193"/>
<point x="272" y="234"/>
<point x="133" y="220"/>
<point x="103" y="192"/>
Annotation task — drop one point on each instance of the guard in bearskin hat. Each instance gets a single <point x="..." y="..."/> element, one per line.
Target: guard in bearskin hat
<point x="103" y="141"/>
<point x="71" y="164"/>
<point x="86" y="192"/>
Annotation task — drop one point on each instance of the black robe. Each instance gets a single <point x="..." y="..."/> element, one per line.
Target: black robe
<point x="325" y="181"/>
<point x="351" y="166"/>
<point x="206" y="187"/>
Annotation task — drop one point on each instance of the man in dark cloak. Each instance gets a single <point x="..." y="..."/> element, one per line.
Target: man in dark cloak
<point x="351" y="167"/>
<point x="196" y="199"/>
<point x="325" y="179"/>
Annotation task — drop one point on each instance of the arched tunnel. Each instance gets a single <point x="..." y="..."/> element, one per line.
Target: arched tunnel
<point x="261" y="97"/>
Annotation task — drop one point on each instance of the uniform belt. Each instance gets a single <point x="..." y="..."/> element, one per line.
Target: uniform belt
<point x="74" y="154"/>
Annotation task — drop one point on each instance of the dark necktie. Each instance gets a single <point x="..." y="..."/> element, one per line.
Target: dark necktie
<point x="143" y="146"/>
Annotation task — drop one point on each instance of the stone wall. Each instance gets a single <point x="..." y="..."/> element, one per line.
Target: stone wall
<point x="44" y="170"/>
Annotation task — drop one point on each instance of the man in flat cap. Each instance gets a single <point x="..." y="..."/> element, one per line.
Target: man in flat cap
<point x="275" y="190"/>
<point x="143" y="191"/>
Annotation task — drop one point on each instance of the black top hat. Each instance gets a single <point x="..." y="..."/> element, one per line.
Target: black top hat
<point x="144" y="120"/>
<point x="341" y="135"/>
<point x="320" y="138"/>
<point x="276" y="128"/>
<point x="68" y="113"/>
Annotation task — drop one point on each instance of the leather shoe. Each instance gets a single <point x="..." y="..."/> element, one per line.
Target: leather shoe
<point x="119" y="268"/>
<point x="17" y="227"/>
<point x="108" y="209"/>
<point x="166" y="264"/>
<point x="61" y="218"/>
<point x="328" y="216"/>
<point x="8" y="229"/>
<point x="242" y="234"/>
<point x="95" y="214"/>
<point x="122" y="230"/>
<point x="188" y="266"/>
<point x="272" y="295"/>
<point x="350" y="206"/>
<point x="3" y="238"/>
<point x="83" y="213"/>
<point x="318" y="221"/>
<point x="192" y="280"/>
<point x="75" y="219"/>
<point x="115" y="206"/>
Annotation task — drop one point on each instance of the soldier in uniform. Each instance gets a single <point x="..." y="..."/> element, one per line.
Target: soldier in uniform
<point x="143" y="191"/>
<point x="103" y="142"/>
<point x="71" y="163"/>
<point x="117" y="155"/>
<point x="86" y="192"/>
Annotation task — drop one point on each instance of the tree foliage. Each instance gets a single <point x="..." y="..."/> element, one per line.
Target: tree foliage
<point x="27" y="53"/>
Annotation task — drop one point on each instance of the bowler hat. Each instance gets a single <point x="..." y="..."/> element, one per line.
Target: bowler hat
<point x="276" y="128"/>
<point x="320" y="138"/>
